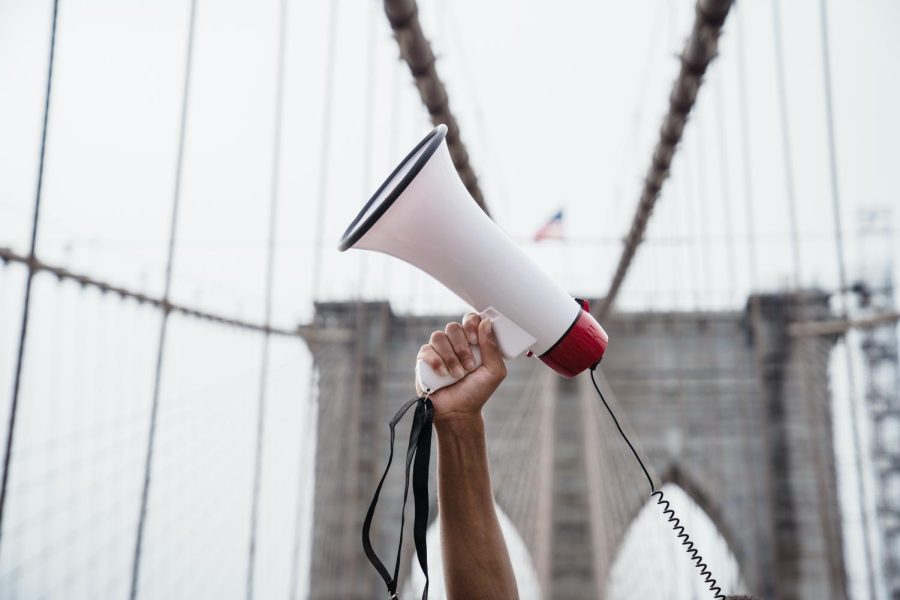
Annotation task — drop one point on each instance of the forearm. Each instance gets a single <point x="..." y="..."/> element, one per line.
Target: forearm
<point x="475" y="558"/>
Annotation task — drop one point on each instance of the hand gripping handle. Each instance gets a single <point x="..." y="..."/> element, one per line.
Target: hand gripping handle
<point x="429" y="381"/>
<point x="512" y="340"/>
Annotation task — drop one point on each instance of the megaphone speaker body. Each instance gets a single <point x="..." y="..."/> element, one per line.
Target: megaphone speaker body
<point x="424" y="215"/>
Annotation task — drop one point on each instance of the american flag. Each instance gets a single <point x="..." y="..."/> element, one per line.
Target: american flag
<point x="552" y="229"/>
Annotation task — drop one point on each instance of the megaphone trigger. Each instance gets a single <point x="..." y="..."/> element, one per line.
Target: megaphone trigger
<point x="512" y="339"/>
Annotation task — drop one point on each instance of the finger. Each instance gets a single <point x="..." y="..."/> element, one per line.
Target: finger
<point x="441" y="344"/>
<point x="460" y="344"/>
<point x="491" y="358"/>
<point x="470" y="325"/>
<point x="430" y="357"/>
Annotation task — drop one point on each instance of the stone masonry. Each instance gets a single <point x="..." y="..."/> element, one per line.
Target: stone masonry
<point x="727" y="405"/>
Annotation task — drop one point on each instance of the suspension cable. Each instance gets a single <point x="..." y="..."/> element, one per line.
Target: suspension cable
<point x="699" y="51"/>
<point x="746" y="157"/>
<point x="703" y="212"/>
<point x="725" y="180"/>
<point x="325" y="148"/>
<point x="403" y="15"/>
<point x="270" y="268"/>
<point x="805" y="349"/>
<point x="157" y="378"/>
<point x="786" y="147"/>
<point x="26" y="305"/>
<point x="311" y="391"/>
<point x="842" y="283"/>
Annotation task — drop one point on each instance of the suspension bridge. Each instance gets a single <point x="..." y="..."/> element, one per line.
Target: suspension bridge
<point x="196" y="387"/>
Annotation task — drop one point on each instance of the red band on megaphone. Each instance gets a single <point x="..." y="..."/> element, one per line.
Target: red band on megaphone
<point x="580" y="348"/>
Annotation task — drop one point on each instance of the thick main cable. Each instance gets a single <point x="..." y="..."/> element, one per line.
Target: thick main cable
<point x="699" y="51"/>
<point x="403" y="15"/>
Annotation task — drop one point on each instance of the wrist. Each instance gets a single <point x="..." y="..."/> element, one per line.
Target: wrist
<point x="457" y="423"/>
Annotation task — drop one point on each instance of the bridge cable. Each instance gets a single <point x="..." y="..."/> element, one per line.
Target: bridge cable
<point x="270" y="268"/>
<point x="799" y="302"/>
<point x="698" y="52"/>
<point x="754" y="308"/>
<point x="786" y="146"/>
<point x="691" y="223"/>
<point x="668" y="512"/>
<point x="703" y="217"/>
<point x="842" y="283"/>
<point x="725" y="180"/>
<point x="324" y="168"/>
<point x="455" y="39"/>
<point x="86" y="281"/>
<point x="306" y="447"/>
<point x="166" y="308"/>
<point x="325" y="147"/>
<point x="26" y="305"/>
<point x="403" y="15"/>
<point x="368" y="136"/>
<point x="629" y="146"/>
<point x="746" y="157"/>
<point x="360" y="379"/>
<point x="392" y="152"/>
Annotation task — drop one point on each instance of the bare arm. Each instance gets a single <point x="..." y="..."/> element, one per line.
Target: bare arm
<point x="476" y="561"/>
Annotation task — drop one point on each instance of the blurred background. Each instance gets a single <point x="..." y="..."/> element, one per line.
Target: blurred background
<point x="180" y="339"/>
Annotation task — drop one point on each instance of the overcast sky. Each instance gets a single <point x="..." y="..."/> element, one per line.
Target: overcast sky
<point x="559" y="104"/>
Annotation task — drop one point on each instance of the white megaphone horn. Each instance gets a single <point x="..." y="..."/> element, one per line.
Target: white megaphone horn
<point x="424" y="215"/>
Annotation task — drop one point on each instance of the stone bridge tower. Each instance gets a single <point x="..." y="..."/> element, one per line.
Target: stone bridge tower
<point x="727" y="405"/>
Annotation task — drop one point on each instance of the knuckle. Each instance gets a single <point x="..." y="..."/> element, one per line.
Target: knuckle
<point x="453" y="327"/>
<point x="437" y="336"/>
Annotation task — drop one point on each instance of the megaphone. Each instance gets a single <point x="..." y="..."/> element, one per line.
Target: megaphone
<point x="423" y="214"/>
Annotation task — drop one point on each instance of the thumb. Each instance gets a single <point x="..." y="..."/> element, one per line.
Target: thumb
<point x="491" y="357"/>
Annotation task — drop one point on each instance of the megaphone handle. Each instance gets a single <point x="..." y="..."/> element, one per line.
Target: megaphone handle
<point x="430" y="382"/>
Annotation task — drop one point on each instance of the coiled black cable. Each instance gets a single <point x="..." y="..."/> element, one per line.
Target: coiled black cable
<point x="681" y="534"/>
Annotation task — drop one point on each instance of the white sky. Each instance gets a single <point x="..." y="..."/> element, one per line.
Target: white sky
<point x="559" y="105"/>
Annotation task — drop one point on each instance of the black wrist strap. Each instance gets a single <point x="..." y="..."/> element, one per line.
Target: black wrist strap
<point x="418" y="458"/>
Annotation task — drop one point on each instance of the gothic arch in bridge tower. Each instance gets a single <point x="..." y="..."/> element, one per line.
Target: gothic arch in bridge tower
<point x="649" y="557"/>
<point x="573" y="488"/>
<point x="695" y="489"/>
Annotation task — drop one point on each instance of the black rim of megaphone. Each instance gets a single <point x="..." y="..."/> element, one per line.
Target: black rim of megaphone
<point x="353" y="233"/>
